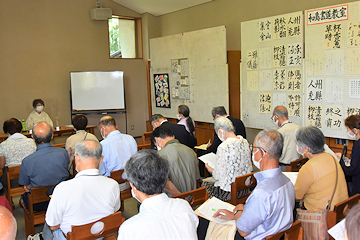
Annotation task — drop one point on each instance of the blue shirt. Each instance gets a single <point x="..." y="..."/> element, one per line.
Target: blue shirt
<point x="269" y="208"/>
<point x="45" y="167"/>
<point x="117" y="150"/>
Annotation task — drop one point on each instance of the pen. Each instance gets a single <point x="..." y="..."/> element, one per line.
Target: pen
<point x="219" y="212"/>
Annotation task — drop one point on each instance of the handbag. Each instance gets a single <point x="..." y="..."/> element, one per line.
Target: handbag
<point x="314" y="223"/>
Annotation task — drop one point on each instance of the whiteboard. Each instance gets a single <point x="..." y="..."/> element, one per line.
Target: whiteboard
<point x="332" y="48"/>
<point x="267" y="77"/>
<point x="208" y="72"/>
<point x="97" y="90"/>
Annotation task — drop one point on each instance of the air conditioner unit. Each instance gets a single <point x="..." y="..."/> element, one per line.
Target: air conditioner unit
<point x="101" y="13"/>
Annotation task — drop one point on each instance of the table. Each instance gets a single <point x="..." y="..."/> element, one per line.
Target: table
<point x="63" y="130"/>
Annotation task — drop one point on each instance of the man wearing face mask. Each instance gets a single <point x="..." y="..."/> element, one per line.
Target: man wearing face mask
<point x="38" y="115"/>
<point x="159" y="217"/>
<point x="269" y="208"/>
<point x="75" y="202"/>
<point x="287" y="129"/>
<point x="117" y="147"/>
<point x="184" y="169"/>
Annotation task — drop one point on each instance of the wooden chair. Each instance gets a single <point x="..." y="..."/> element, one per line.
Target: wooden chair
<point x="60" y="145"/>
<point x="145" y="141"/>
<point x="295" y="232"/>
<point x="241" y="183"/>
<point x="340" y="210"/>
<point x="199" y="196"/>
<point x="296" y="165"/>
<point x="117" y="176"/>
<point x="32" y="218"/>
<point x="111" y="225"/>
<point x="13" y="173"/>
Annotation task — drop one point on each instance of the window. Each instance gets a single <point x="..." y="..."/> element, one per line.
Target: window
<point x="125" y="37"/>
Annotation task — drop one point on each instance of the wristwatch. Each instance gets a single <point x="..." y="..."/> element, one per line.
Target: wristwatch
<point x="237" y="212"/>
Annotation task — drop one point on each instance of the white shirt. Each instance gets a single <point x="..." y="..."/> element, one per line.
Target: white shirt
<point x="84" y="199"/>
<point x="117" y="150"/>
<point x="161" y="217"/>
<point x="15" y="148"/>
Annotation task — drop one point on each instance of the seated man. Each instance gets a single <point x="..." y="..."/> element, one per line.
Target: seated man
<point x="79" y="122"/>
<point x="15" y="148"/>
<point x="239" y="126"/>
<point x="287" y="130"/>
<point x="184" y="170"/>
<point x="7" y="224"/>
<point x="45" y="167"/>
<point x="83" y="199"/>
<point x="179" y="131"/>
<point x="117" y="147"/>
<point x="160" y="217"/>
<point x="269" y="209"/>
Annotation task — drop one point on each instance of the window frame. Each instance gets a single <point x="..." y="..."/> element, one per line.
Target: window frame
<point x="138" y="36"/>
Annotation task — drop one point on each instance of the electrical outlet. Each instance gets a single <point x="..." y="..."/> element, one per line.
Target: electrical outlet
<point x="132" y="127"/>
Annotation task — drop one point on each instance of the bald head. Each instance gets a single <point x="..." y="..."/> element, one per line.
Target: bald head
<point x="281" y="112"/>
<point x="42" y="133"/>
<point x="107" y="125"/>
<point x="7" y="224"/>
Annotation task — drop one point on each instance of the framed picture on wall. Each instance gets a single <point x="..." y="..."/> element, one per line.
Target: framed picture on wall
<point x="162" y="92"/>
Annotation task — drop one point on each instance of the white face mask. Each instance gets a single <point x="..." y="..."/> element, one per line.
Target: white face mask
<point x="178" y="116"/>
<point x="298" y="150"/>
<point x="39" y="108"/>
<point x="257" y="164"/>
<point x="276" y="121"/>
<point x="102" y="135"/>
<point x="351" y="136"/>
<point x="222" y="137"/>
<point x="134" y="196"/>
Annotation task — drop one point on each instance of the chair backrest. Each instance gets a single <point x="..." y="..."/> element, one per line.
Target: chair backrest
<point x="199" y="196"/>
<point x="13" y="173"/>
<point x="38" y="194"/>
<point x="243" y="182"/>
<point x="60" y="145"/>
<point x="146" y="138"/>
<point x="341" y="209"/>
<point x="296" y="165"/>
<point x="295" y="232"/>
<point x="117" y="176"/>
<point x="83" y="232"/>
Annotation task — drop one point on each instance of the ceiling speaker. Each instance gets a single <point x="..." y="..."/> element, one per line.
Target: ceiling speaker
<point x="101" y="13"/>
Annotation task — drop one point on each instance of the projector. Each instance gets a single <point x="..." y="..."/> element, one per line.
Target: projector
<point x="100" y="13"/>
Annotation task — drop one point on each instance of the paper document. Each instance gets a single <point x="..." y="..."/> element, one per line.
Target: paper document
<point x="338" y="231"/>
<point x="203" y="146"/>
<point x="292" y="176"/>
<point x="210" y="207"/>
<point x="210" y="159"/>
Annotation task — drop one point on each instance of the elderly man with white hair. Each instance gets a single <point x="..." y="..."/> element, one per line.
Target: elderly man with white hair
<point x="232" y="160"/>
<point x="84" y="199"/>
<point x="160" y="217"/>
<point x="269" y="208"/>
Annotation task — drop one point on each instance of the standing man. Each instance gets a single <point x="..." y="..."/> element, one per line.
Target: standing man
<point x="269" y="208"/>
<point x="117" y="147"/>
<point x="216" y="112"/>
<point x="184" y="169"/>
<point x="287" y="129"/>
<point x="84" y="199"/>
<point x="45" y="167"/>
<point x="178" y="130"/>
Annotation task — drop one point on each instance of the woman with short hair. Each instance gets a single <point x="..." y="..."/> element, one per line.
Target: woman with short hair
<point x="233" y="159"/>
<point x="317" y="177"/>
<point x="352" y="166"/>
<point x="38" y="115"/>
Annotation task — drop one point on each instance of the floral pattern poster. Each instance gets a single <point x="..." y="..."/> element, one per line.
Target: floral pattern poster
<point x="162" y="92"/>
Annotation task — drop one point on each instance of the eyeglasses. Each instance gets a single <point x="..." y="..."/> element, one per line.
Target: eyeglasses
<point x="252" y="148"/>
<point x="272" y="117"/>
